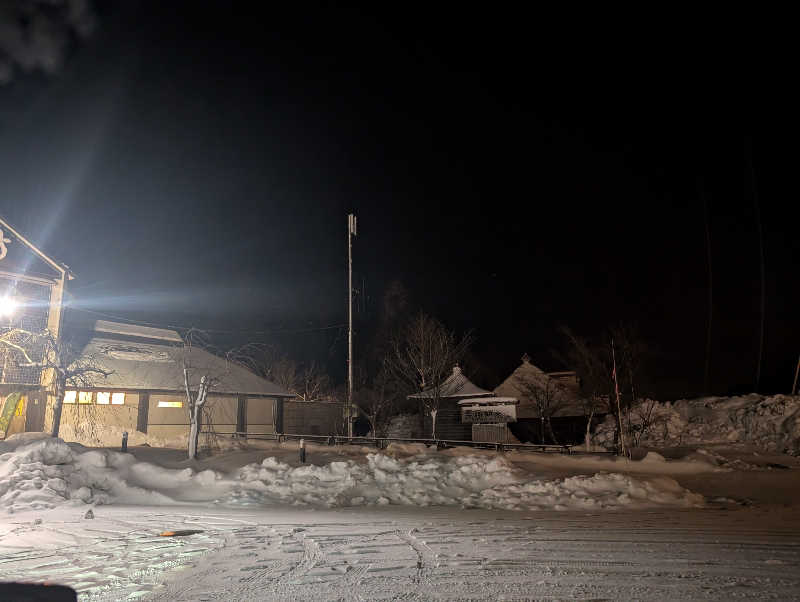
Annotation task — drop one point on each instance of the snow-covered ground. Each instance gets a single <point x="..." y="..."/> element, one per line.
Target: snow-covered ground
<point x="413" y="523"/>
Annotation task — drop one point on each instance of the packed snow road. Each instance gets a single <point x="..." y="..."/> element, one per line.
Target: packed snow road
<point x="410" y="554"/>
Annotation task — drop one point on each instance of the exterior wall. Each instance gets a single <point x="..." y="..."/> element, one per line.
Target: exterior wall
<point x="313" y="418"/>
<point x="448" y="422"/>
<point x="260" y="415"/>
<point x="86" y="421"/>
<point x="167" y="423"/>
<point x="222" y="412"/>
<point x="491" y="433"/>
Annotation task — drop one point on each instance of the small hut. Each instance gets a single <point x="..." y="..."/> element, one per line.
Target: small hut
<point x="567" y="412"/>
<point x="449" y="423"/>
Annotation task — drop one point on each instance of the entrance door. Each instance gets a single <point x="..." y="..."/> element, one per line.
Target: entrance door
<point x="34" y="412"/>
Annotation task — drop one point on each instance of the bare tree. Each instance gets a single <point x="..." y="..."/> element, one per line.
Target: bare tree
<point x="61" y="362"/>
<point x="200" y="376"/>
<point x="547" y="397"/>
<point x="593" y="368"/>
<point x="377" y="401"/>
<point x="308" y="381"/>
<point x="422" y="357"/>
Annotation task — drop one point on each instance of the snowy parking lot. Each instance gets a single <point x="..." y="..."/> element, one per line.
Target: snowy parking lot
<point x="413" y="524"/>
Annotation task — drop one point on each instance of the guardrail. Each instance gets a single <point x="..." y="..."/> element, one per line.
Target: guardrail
<point x="383" y="442"/>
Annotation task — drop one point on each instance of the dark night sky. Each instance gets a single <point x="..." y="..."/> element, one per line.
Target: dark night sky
<point x="195" y="166"/>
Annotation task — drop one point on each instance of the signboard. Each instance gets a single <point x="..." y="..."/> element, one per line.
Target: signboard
<point x="488" y="413"/>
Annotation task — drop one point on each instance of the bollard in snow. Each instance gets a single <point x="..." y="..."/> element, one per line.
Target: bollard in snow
<point x="125" y="441"/>
<point x="302" y="451"/>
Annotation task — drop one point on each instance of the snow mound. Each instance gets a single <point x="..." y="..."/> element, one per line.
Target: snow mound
<point x="45" y="473"/>
<point x="464" y="481"/>
<point x="769" y="422"/>
<point x="40" y="474"/>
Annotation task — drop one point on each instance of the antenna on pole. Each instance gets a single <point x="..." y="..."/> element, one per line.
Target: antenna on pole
<point x="351" y="232"/>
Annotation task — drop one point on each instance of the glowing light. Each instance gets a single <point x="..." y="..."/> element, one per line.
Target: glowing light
<point x="8" y="306"/>
<point x="170" y="404"/>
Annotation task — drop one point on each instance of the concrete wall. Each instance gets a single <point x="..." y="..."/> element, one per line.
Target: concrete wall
<point x="313" y="418"/>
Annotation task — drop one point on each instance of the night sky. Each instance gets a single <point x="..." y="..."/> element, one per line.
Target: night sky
<point x="196" y="167"/>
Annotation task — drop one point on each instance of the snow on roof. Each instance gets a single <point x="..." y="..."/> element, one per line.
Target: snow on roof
<point x="489" y="401"/>
<point x="134" y="330"/>
<point x="156" y="367"/>
<point x="528" y="375"/>
<point x="456" y="385"/>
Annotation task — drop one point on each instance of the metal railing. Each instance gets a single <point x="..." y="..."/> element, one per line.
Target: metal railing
<point x="383" y="442"/>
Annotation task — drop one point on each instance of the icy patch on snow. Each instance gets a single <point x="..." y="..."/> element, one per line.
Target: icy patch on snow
<point x="464" y="481"/>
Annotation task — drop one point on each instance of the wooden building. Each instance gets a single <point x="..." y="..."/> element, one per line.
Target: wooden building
<point x="567" y="411"/>
<point x="458" y="397"/>
<point x="144" y="390"/>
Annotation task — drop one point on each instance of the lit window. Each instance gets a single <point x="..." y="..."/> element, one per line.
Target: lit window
<point x="170" y="404"/>
<point x="69" y="396"/>
<point x="103" y="397"/>
<point x="85" y="397"/>
<point x="118" y="399"/>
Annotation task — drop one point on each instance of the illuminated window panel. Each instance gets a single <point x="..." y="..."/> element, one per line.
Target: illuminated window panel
<point x="118" y="399"/>
<point x="170" y="404"/>
<point x="103" y="398"/>
<point x="69" y="396"/>
<point x="85" y="397"/>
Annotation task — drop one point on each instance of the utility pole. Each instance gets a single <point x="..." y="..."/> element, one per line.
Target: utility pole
<point x="351" y="232"/>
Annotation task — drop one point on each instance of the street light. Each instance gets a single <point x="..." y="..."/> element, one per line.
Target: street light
<point x="8" y="306"/>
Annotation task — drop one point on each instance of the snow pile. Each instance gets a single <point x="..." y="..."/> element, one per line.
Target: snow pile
<point x="770" y="422"/>
<point x="464" y="481"/>
<point x="41" y="473"/>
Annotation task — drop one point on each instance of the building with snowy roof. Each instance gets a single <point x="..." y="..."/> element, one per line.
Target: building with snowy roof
<point x="466" y="411"/>
<point x="566" y="411"/>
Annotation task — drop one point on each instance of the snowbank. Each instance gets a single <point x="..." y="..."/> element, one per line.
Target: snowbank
<point x="769" y="422"/>
<point x="43" y="473"/>
<point x="464" y="481"/>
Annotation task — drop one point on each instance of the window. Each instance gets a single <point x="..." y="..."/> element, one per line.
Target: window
<point x="85" y="397"/>
<point x="103" y="397"/>
<point x="118" y="399"/>
<point x="69" y="396"/>
<point x="170" y="404"/>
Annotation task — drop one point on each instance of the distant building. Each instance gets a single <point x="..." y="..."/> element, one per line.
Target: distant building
<point x="568" y="412"/>
<point x="466" y="411"/>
